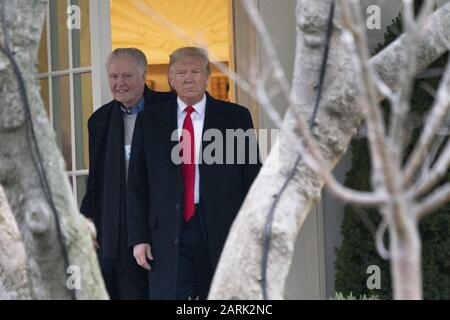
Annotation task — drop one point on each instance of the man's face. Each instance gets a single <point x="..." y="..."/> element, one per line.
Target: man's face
<point x="126" y="81"/>
<point x="188" y="77"/>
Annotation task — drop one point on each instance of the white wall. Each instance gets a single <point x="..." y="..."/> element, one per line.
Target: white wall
<point x="279" y="17"/>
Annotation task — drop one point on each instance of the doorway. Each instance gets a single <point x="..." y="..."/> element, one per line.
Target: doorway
<point x="133" y="24"/>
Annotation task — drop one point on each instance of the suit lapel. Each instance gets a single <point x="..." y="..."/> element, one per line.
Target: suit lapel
<point x="212" y="115"/>
<point x="213" y="120"/>
<point x="168" y="124"/>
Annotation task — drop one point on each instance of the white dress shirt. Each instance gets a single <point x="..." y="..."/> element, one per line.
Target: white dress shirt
<point x="198" y="118"/>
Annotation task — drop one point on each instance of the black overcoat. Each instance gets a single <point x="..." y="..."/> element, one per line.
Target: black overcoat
<point x="156" y="188"/>
<point x="105" y="190"/>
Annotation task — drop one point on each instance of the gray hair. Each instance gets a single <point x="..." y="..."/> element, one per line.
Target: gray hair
<point x="195" y="52"/>
<point x="135" y="53"/>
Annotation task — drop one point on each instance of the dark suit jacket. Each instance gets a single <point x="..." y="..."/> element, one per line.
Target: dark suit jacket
<point x="155" y="188"/>
<point x="105" y="195"/>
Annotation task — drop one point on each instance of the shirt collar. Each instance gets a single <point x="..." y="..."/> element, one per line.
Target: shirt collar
<point x="136" y="109"/>
<point x="199" y="107"/>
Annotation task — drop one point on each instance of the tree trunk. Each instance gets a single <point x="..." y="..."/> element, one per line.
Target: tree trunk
<point x="406" y="263"/>
<point x="338" y="120"/>
<point x="30" y="209"/>
<point x="13" y="271"/>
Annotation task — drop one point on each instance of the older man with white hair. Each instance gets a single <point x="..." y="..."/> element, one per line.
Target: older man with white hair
<point x="110" y="142"/>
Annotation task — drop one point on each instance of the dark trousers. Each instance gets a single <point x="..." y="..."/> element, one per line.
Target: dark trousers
<point x="194" y="263"/>
<point x="125" y="279"/>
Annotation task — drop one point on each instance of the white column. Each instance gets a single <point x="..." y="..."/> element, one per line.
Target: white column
<point x="100" y="48"/>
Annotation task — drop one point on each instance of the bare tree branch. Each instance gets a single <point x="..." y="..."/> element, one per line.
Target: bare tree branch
<point x="434" y="121"/>
<point x="434" y="201"/>
<point x="345" y="194"/>
<point x="379" y="238"/>
<point x="434" y="42"/>
<point x="354" y="36"/>
<point x="400" y="109"/>
<point x="436" y="173"/>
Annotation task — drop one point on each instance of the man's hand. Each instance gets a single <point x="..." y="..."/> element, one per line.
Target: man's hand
<point x="95" y="243"/>
<point x="93" y="231"/>
<point x="141" y="252"/>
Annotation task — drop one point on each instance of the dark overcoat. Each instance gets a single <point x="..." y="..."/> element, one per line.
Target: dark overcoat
<point x="105" y="201"/>
<point x="156" y="187"/>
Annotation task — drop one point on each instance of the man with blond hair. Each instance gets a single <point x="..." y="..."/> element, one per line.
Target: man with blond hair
<point x="180" y="208"/>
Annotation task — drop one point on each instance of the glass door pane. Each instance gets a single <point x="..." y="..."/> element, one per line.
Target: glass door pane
<point x="65" y="77"/>
<point x="81" y="38"/>
<point x="44" y="94"/>
<point x="59" y="40"/>
<point x="42" y="54"/>
<point x="82" y="88"/>
<point x="62" y="117"/>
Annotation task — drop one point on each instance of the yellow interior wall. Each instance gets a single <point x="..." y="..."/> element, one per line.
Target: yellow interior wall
<point x="133" y="26"/>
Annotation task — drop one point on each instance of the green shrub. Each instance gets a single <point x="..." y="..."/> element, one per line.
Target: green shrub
<point x="340" y="296"/>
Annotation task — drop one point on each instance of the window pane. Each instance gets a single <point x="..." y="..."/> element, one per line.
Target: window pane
<point x="59" y="35"/>
<point x="82" y="88"/>
<point x="81" y="41"/>
<point x="42" y="55"/>
<point x="44" y="94"/>
<point x="219" y="87"/>
<point x="61" y="117"/>
<point x="81" y="188"/>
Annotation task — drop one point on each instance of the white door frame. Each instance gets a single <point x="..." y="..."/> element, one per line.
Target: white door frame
<point x="100" y="20"/>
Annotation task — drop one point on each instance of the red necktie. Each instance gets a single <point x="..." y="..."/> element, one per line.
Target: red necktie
<point x="188" y="164"/>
